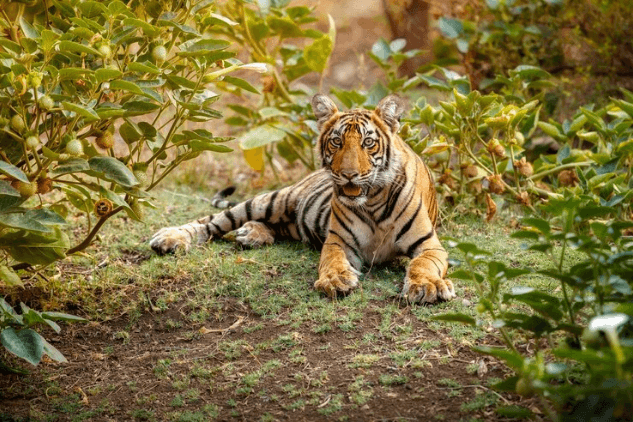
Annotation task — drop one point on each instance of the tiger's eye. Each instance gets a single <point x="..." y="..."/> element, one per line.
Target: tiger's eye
<point x="369" y="142"/>
<point x="336" y="142"/>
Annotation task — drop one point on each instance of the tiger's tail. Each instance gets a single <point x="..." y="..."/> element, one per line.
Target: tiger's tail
<point x="219" y="199"/>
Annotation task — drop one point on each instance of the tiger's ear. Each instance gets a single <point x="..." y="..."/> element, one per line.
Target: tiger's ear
<point x="323" y="109"/>
<point x="390" y="109"/>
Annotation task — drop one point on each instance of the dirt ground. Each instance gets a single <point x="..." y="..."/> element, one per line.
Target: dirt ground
<point x="159" y="364"/>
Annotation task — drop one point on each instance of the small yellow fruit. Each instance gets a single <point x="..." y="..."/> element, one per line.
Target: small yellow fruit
<point x="524" y="387"/>
<point x="105" y="51"/>
<point x="26" y="189"/>
<point x="159" y="54"/>
<point x="74" y="148"/>
<point x="105" y="140"/>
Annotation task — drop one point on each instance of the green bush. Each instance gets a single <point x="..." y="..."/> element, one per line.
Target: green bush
<point x="583" y="337"/>
<point x="279" y="35"/>
<point x="494" y="37"/>
<point x="75" y="77"/>
<point x="99" y="102"/>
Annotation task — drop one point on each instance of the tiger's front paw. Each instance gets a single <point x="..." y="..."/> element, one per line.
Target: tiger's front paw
<point x="427" y="289"/>
<point x="331" y="282"/>
<point x="169" y="239"/>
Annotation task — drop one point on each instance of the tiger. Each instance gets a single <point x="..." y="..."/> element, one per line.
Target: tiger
<point x="372" y="200"/>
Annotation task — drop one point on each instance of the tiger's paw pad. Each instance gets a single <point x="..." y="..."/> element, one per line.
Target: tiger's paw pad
<point x="254" y="234"/>
<point x="332" y="283"/>
<point x="169" y="239"/>
<point x="428" y="291"/>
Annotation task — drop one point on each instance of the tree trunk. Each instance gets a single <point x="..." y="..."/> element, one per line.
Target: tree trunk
<point x="409" y="19"/>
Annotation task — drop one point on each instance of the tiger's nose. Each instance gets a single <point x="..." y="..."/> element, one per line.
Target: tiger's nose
<point x="349" y="174"/>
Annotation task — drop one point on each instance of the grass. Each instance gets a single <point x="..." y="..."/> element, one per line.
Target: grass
<point x="292" y="349"/>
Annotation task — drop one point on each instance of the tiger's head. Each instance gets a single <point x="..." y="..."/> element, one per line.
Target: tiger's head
<point x="357" y="146"/>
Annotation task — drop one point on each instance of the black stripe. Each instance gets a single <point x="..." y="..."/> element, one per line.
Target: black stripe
<point x="392" y="198"/>
<point x="269" y="208"/>
<point x="347" y="229"/>
<point x="228" y="214"/>
<point x="206" y="226"/>
<point x="347" y="245"/>
<point x="218" y="229"/>
<point x="358" y="212"/>
<point x="248" y="205"/>
<point x="418" y="242"/>
<point x="409" y="223"/>
<point x="322" y="209"/>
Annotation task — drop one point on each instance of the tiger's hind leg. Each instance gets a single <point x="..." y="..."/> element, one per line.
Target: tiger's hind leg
<point x="254" y="234"/>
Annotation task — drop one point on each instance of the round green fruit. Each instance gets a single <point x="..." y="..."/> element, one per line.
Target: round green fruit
<point x="159" y="54"/>
<point x="17" y="123"/>
<point x="524" y="387"/>
<point x="26" y="189"/>
<point x="32" y="142"/>
<point x="75" y="148"/>
<point x="105" y="51"/>
<point x="46" y="103"/>
<point x="142" y="178"/>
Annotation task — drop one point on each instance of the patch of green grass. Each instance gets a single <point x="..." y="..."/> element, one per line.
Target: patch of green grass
<point x="360" y="391"/>
<point x="334" y="405"/>
<point x="364" y="361"/>
<point x="449" y="382"/>
<point x="388" y="380"/>
<point x="143" y="415"/>
<point x="481" y="401"/>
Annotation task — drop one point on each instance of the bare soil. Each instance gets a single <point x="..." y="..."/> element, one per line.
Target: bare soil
<point x="108" y="378"/>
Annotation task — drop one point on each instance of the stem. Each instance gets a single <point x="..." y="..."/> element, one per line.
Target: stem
<point x="555" y="169"/>
<point x="86" y="242"/>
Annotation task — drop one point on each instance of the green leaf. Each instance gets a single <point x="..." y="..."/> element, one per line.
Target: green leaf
<point x="198" y="145"/>
<point x="260" y="136"/>
<point x="551" y="130"/>
<point x="52" y="352"/>
<point x="284" y="27"/>
<point x="28" y="29"/>
<point x="9" y="277"/>
<point x="456" y="317"/>
<point x="130" y="132"/>
<point x="86" y="112"/>
<point x="241" y="83"/>
<point x="104" y="74"/>
<point x="450" y="28"/>
<point x="74" y="165"/>
<point x="149" y="29"/>
<point x="201" y="47"/>
<point x="13" y="171"/>
<point x="25" y="344"/>
<point x="9" y="45"/>
<point x="513" y="360"/>
<point x="530" y="72"/>
<point x="36" y="248"/>
<point x="434" y="82"/>
<point x="60" y="316"/>
<point x="144" y="67"/>
<point x="317" y="54"/>
<point x="113" y="170"/>
<point x="22" y="220"/>
<point x="77" y="48"/>
<point x="126" y="86"/>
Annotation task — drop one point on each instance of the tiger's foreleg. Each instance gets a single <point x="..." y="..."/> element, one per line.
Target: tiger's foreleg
<point x="425" y="281"/>
<point x="336" y="272"/>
